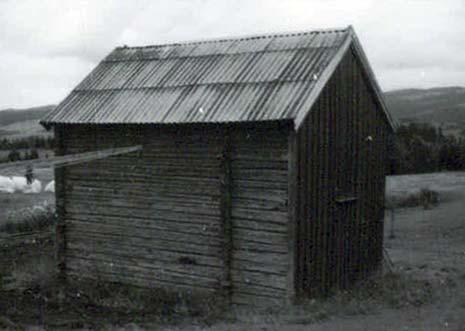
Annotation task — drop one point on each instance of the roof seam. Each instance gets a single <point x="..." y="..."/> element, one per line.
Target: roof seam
<point x="274" y="81"/>
<point x="246" y="37"/>
<point x="148" y="59"/>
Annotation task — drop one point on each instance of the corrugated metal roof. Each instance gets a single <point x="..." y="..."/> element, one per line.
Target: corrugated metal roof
<point x="256" y="78"/>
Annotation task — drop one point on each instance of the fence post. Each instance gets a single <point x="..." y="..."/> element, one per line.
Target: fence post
<point x="393" y="216"/>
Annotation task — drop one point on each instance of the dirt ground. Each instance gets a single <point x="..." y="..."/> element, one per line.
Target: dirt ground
<point x="428" y="256"/>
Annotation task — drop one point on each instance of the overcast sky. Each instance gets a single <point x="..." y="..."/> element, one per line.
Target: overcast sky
<point x="48" y="46"/>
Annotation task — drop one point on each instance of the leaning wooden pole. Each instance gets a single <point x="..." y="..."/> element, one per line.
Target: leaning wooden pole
<point x="10" y="168"/>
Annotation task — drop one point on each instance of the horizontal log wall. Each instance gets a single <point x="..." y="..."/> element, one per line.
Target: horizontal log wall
<point x="259" y="165"/>
<point x="197" y="209"/>
<point x="341" y="175"/>
<point x="149" y="218"/>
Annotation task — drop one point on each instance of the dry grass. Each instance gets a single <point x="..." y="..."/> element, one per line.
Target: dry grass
<point x="392" y="290"/>
<point x="423" y="197"/>
<point x="396" y="290"/>
<point x="36" y="218"/>
<point x="39" y="273"/>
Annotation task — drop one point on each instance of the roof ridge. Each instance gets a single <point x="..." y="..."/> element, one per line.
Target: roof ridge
<point x="243" y="37"/>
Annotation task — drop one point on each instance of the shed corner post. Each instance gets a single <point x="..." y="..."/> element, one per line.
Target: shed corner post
<point x="292" y="291"/>
<point x="225" y="210"/>
<point x="60" y="191"/>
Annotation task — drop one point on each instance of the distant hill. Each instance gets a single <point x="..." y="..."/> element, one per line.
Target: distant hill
<point x="9" y="116"/>
<point x="444" y="106"/>
<point x="18" y="123"/>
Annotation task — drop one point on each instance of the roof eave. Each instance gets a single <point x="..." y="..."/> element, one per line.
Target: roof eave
<point x="351" y="40"/>
<point x="323" y="80"/>
<point x="357" y="47"/>
<point x="47" y="126"/>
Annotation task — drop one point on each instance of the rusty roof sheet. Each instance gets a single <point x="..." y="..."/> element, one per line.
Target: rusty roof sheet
<point x="258" y="78"/>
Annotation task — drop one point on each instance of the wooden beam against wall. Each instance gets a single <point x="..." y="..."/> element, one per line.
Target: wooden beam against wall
<point x="225" y="193"/>
<point x="7" y="169"/>
<point x="292" y="219"/>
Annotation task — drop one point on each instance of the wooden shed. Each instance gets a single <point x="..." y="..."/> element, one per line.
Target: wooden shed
<point x="261" y="175"/>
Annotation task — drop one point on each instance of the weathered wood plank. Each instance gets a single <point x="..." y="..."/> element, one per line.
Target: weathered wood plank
<point x="160" y="244"/>
<point x="148" y="199"/>
<point x="198" y="227"/>
<point x="260" y="279"/>
<point x="275" y="216"/>
<point x="260" y="237"/>
<point x="78" y="248"/>
<point x="75" y="205"/>
<point x="171" y="188"/>
<point x="255" y="225"/>
<point x="149" y="232"/>
<point x="150" y="216"/>
<point x="259" y="194"/>
<point x="277" y="262"/>
<point x="134" y="278"/>
<point x="259" y="247"/>
<point x="110" y="210"/>
<point x="190" y="271"/>
<point x="264" y="154"/>
<point x="258" y="290"/>
<point x="280" y="206"/>
<point x="258" y="164"/>
<point x="260" y="174"/>
<point x="259" y="184"/>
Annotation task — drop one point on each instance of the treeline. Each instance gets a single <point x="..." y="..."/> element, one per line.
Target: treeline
<point x="27" y="143"/>
<point x="25" y="148"/>
<point x="420" y="148"/>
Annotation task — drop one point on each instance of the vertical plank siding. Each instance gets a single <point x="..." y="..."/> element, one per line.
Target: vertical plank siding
<point x="201" y="209"/>
<point x="341" y="165"/>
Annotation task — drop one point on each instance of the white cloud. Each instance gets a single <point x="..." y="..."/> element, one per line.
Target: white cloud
<point x="47" y="46"/>
<point x="37" y="80"/>
<point x="65" y="28"/>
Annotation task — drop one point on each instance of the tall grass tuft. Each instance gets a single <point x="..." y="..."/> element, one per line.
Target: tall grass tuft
<point x="425" y="198"/>
<point x="36" y="218"/>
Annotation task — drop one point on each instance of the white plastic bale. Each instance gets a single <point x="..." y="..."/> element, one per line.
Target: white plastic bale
<point x="50" y="187"/>
<point x="6" y="185"/>
<point x="21" y="185"/>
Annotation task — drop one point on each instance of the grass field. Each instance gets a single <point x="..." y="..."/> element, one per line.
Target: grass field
<point x="23" y="129"/>
<point x="445" y="183"/>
